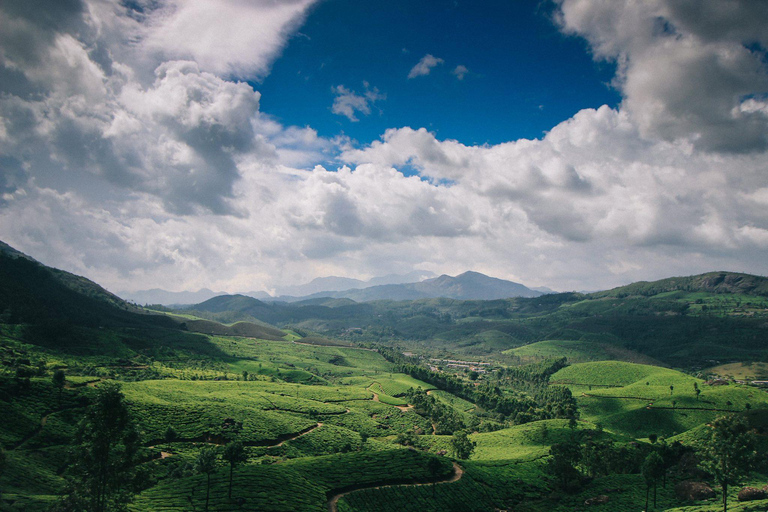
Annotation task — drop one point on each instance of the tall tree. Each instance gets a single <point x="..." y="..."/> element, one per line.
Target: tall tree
<point x="462" y="445"/>
<point x="729" y="452"/>
<point x="562" y="464"/>
<point x="206" y="463"/>
<point x="59" y="379"/>
<point x="434" y="466"/>
<point x="2" y="463"/>
<point x="234" y="454"/>
<point x="103" y="455"/>
<point x="653" y="469"/>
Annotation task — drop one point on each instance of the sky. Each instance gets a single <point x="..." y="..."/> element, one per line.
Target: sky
<point x="243" y="145"/>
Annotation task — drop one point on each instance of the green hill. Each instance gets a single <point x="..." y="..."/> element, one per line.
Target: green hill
<point x="639" y="400"/>
<point x="368" y="414"/>
<point x="578" y="352"/>
<point x="713" y="318"/>
<point x="711" y="282"/>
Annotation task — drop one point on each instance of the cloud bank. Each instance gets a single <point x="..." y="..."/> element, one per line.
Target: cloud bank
<point x="131" y="153"/>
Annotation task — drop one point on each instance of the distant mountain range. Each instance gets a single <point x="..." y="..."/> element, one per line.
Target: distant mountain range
<point x="414" y="285"/>
<point x="166" y="298"/>
<point x="710" y="316"/>
<point x="339" y="284"/>
<point x="467" y="286"/>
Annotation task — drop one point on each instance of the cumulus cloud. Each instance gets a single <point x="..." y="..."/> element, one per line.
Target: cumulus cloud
<point x="686" y="68"/>
<point x="132" y="156"/>
<point x="460" y="71"/>
<point x="227" y="37"/>
<point x="424" y="66"/>
<point x="348" y="102"/>
<point x="592" y="180"/>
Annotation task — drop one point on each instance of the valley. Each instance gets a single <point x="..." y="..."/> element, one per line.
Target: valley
<point x="547" y="403"/>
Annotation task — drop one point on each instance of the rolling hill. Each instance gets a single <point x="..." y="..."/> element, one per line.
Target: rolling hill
<point x="327" y="424"/>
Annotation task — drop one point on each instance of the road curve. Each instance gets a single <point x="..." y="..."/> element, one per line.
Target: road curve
<point x="334" y="499"/>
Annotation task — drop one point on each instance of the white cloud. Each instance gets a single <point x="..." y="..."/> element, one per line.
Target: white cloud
<point x="348" y="102"/>
<point x="460" y="71"/>
<point x="142" y="172"/>
<point x="686" y="68"/>
<point x="424" y="66"/>
<point x="227" y="37"/>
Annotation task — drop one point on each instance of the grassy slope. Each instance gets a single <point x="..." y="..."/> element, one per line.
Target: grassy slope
<point x="640" y="402"/>
<point x="578" y="352"/>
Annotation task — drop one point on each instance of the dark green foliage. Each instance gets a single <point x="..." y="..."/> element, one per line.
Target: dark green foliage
<point x="444" y="418"/>
<point x="547" y="402"/>
<point x="54" y="302"/>
<point x="729" y="452"/>
<point x="103" y="455"/>
<point x="170" y="434"/>
<point x="462" y="445"/>
<point x="2" y="464"/>
<point x="562" y="465"/>
<point x="59" y="379"/>
<point x="653" y="469"/>
<point x="234" y="454"/>
<point x="206" y="464"/>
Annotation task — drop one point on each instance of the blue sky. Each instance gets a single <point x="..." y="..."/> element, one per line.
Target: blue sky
<point x="244" y="145"/>
<point x="524" y="76"/>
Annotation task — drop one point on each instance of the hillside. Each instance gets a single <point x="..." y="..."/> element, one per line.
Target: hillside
<point x="708" y="324"/>
<point x="711" y="282"/>
<point x="33" y="293"/>
<point x="326" y="424"/>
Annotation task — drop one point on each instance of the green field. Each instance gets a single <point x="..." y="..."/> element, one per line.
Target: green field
<point x="637" y="399"/>
<point x="577" y="352"/>
<point x="336" y="400"/>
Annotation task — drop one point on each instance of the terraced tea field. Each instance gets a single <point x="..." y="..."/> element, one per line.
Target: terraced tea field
<point x="640" y="400"/>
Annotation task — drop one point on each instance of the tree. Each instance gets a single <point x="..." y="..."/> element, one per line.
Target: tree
<point x="2" y="464"/>
<point x="245" y="375"/>
<point x="653" y="469"/>
<point x="434" y="466"/>
<point x="729" y="452"/>
<point x="462" y="445"/>
<point x="206" y="463"/>
<point x="696" y="389"/>
<point x="59" y="379"/>
<point x="170" y="434"/>
<point x="102" y="458"/>
<point x="234" y="454"/>
<point x="562" y="465"/>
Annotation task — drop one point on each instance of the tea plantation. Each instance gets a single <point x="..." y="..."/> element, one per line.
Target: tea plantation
<point x="550" y="404"/>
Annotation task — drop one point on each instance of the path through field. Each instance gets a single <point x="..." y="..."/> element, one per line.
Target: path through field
<point x="334" y="499"/>
<point x="375" y="398"/>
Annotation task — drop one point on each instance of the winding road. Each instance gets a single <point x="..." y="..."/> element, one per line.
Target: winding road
<point x="334" y="499"/>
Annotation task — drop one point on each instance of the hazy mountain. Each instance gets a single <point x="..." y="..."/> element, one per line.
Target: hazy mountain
<point x="320" y="284"/>
<point x="338" y="284"/>
<point x="411" y="277"/>
<point x="318" y="287"/>
<point x="467" y="286"/>
<point x="158" y="296"/>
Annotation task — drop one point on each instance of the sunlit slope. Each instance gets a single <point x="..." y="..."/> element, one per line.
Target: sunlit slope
<point x="640" y="400"/>
<point x="580" y="351"/>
